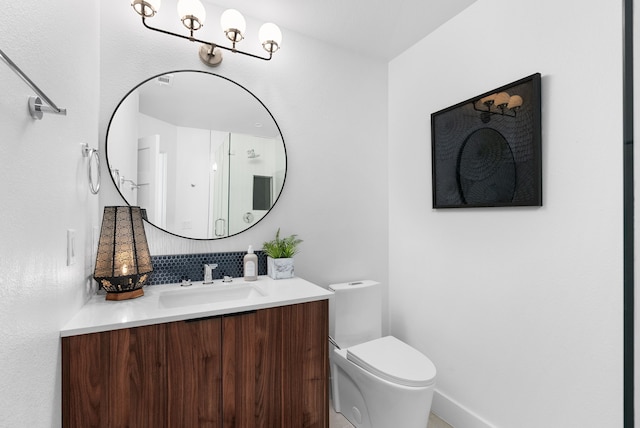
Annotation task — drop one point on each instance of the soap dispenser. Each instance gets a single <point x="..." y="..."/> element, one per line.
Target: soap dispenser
<point x="250" y="265"/>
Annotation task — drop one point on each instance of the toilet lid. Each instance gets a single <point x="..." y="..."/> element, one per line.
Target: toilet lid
<point x="393" y="360"/>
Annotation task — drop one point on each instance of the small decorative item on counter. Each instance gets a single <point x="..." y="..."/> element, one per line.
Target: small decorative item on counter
<point x="123" y="262"/>
<point x="250" y="265"/>
<point x="280" y="252"/>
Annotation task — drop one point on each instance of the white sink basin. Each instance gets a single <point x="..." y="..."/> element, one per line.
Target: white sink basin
<point x="207" y="294"/>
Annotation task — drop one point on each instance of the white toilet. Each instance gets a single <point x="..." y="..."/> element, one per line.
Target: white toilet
<point x="377" y="382"/>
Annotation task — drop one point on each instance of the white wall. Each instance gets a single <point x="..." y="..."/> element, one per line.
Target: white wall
<point x="520" y="309"/>
<point x="168" y="144"/>
<point x="331" y="108"/>
<point x="192" y="182"/>
<point x="123" y="150"/>
<point x="44" y="192"/>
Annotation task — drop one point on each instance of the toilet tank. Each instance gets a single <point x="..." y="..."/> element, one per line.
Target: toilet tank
<point x="355" y="312"/>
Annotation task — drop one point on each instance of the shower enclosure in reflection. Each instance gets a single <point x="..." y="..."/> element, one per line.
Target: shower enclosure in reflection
<point x="249" y="164"/>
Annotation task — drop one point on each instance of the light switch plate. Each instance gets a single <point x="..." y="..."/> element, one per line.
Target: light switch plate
<point x="71" y="247"/>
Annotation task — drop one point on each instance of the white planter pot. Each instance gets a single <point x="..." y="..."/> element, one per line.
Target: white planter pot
<point x="279" y="268"/>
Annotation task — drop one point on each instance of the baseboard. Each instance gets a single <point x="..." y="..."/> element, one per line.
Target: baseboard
<point x="455" y="414"/>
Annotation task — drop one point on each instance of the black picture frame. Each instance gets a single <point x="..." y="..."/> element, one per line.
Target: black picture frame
<point x="487" y="151"/>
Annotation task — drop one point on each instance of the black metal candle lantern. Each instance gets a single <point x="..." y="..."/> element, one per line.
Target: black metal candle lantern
<point x="123" y="262"/>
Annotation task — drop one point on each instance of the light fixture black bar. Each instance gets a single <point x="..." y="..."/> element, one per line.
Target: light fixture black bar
<point x="214" y="45"/>
<point x="28" y="81"/>
<point x="628" y="190"/>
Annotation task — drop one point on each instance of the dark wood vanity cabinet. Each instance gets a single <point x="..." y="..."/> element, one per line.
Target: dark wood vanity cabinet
<point x="275" y="365"/>
<point x="267" y="368"/>
<point x="194" y="373"/>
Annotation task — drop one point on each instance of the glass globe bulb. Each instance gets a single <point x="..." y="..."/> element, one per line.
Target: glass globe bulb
<point x="233" y="24"/>
<point x="192" y="13"/>
<point x="270" y="36"/>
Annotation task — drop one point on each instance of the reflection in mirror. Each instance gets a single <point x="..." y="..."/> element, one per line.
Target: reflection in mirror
<point x="200" y="153"/>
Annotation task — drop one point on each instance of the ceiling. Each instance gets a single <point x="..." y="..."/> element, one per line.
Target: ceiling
<point x="201" y="100"/>
<point x="380" y="29"/>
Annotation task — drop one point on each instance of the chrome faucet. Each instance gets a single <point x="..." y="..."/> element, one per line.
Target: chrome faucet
<point x="208" y="273"/>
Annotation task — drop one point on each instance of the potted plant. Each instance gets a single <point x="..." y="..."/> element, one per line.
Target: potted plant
<point x="280" y="252"/>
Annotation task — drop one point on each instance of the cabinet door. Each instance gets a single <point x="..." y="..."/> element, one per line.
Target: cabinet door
<point x="137" y="381"/>
<point x="275" y="367"/>
<point x="84" y="380"/>
<point x="194" y="373"/>
<point x="240" y="345"/>
<point x="305" y="365"/>
<point x="252" y="370"/>
<point x="114" y="379"/>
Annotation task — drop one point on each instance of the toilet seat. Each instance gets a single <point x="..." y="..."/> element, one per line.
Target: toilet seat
<point x="394" y="361"/>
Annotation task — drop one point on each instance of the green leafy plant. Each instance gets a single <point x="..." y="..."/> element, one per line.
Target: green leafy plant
<point x="281" y="248"/>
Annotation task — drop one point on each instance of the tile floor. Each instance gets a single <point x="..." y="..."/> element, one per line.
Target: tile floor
<point x="336" y="420"/>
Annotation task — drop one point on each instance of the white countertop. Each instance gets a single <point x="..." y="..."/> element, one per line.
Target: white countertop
<point x="155" y="306"/>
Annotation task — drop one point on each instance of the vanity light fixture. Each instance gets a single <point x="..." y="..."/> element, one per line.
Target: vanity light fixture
<point x="499" y="103"/>
<point x="123" y="262"/>
<point x="193" y="15"/>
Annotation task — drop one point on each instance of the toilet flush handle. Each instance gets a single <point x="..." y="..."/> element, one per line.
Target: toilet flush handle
<point x="333" y="342"/>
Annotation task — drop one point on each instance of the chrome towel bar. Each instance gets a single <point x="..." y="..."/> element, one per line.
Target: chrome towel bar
<point x="36" y="107"/>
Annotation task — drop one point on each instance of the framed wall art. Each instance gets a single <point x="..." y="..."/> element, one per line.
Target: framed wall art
<point x="486" y="151"/>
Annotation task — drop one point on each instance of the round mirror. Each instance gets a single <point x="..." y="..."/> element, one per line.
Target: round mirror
<point x="198" y="152"/>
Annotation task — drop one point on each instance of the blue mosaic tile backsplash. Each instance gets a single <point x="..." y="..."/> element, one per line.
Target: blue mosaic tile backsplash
<point x="172" y="269"/>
